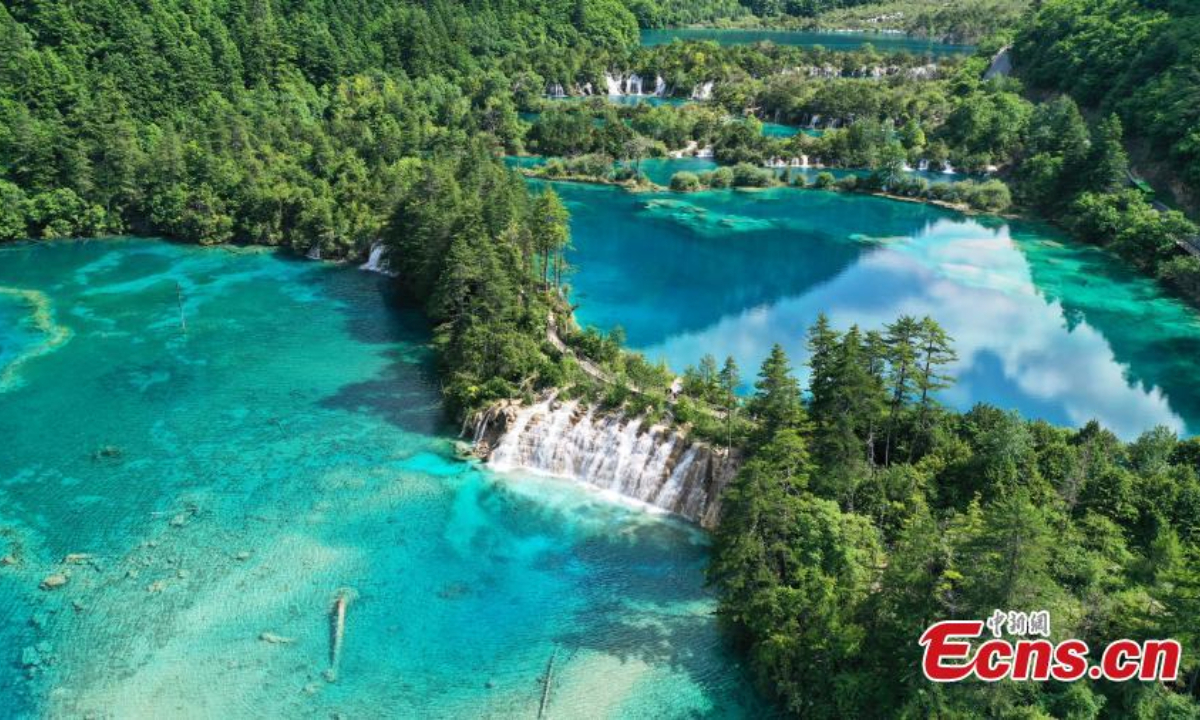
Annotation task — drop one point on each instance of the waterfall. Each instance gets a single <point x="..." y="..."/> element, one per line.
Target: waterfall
<point x="557" y="91"/>
<point x="816" y="119"/>
<point x="923" y="165"/>
<point x="660" y="86"/>
<point x="377" y="260"/>
<point x="804" y="161"/>
<point x="651" y="463"/>
<point x="703" y="91"/>
<point x="613" y="83"/>
<point x="633" y="86"/>
<point x="314" y="253"/>
<point x="948" y="169"/>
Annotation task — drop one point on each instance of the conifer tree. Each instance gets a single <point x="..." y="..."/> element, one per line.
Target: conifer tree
<point x="776" y="403"/>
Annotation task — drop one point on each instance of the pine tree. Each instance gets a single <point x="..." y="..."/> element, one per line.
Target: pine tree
<point x="709" y="376"/>
<point x="845" y="441"/>
<point x="551" y="234"/>
<point x="727" y="383"/>
<point x="822" y="346"/>
<point x="900" y="339"/>
<point x="776" y="403"/>
<point x="934" y="351"/>
<point x="1108" y="162"/>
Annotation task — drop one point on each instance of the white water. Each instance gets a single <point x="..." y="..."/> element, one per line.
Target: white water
<point x="633" y="86"/>
<point x="660" y="86"/>
<point x="649" y="463"/>
<point x="613" y="83"/>
<point x="377" y="261"/>
<point x="703" y="91"/>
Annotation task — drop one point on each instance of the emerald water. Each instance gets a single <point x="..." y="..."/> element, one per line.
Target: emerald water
<point x="1043" y="325"/>
<point x="660" y="170"/>
<point x="234" y="478"/>
<point x="830" y="40"/>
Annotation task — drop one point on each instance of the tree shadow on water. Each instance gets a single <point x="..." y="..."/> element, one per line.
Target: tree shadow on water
<point x="404" y="394"/>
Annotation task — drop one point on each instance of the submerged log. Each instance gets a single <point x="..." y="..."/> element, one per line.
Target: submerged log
<point x="546" y="685"/>
<point x="338" y="632"/>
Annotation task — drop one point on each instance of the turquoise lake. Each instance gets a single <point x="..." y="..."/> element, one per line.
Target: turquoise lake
<point x="234" y="478"/>
<point x="1044" y="325"/>
<point x="883" y="42"/>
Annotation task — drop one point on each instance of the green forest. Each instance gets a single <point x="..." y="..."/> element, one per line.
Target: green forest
<point x="865" y="510"/>
<point x="1134" y="58"/>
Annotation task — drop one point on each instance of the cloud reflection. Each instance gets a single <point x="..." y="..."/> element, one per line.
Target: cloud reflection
<point x="1016" y="348"/>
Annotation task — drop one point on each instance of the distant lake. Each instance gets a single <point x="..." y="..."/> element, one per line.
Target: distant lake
<point x="844" y="41"/>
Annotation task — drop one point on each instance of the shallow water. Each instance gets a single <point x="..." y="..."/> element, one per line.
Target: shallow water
<point x="234" y="478"/>
<point x="1052" y="328"/>
<point x="660" y="170"/>
<point x="883" y="42"/>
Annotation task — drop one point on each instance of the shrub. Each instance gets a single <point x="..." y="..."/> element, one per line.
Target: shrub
<point x="12" y="212"/>
<point x="850" y="182"/>
<point x="747" y="175"/>
<point x="685" y="182"/>
<point x="1183" y="274"/>
<point x="991" y="195"/>
<point x="722" y="177"/>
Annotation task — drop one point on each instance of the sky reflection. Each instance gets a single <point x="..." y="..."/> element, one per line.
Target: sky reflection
<point x="1040" y="325"/>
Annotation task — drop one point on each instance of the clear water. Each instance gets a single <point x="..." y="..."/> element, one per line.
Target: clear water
<point x="844" y="41"/>
<point x="1044" y="325"/>
<point x="234" y="479"/>
<point x="660" y="170"/>
<point x="652" y="100"/>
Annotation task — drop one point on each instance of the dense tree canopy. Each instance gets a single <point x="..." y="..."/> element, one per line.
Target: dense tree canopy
<point x="870" y="511"/>
<point x="1137" y="58"/>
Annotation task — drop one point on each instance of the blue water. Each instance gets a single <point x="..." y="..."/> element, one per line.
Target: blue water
<point x="660" y="170"/>
<point x="652" y="100"/>
<point x="1043" y="325"/>
<point x="778" y="130"/>
<point x="235" y="476"/>
<point x="883" y="42"/>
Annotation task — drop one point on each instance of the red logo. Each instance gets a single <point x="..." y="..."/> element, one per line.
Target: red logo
<point x="951" y="656"/>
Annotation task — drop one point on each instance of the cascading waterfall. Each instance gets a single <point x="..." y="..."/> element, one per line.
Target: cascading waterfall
<point x="660" y="86"/>
<point x="651" y="463"/>
<point x="923" y="165"/>
<point x="557" y="91"/>
<point x="613" y="83"/>
<point x="633" y="86"/>
<point x="703" y="91"/>
<point x="377" y="260"/>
